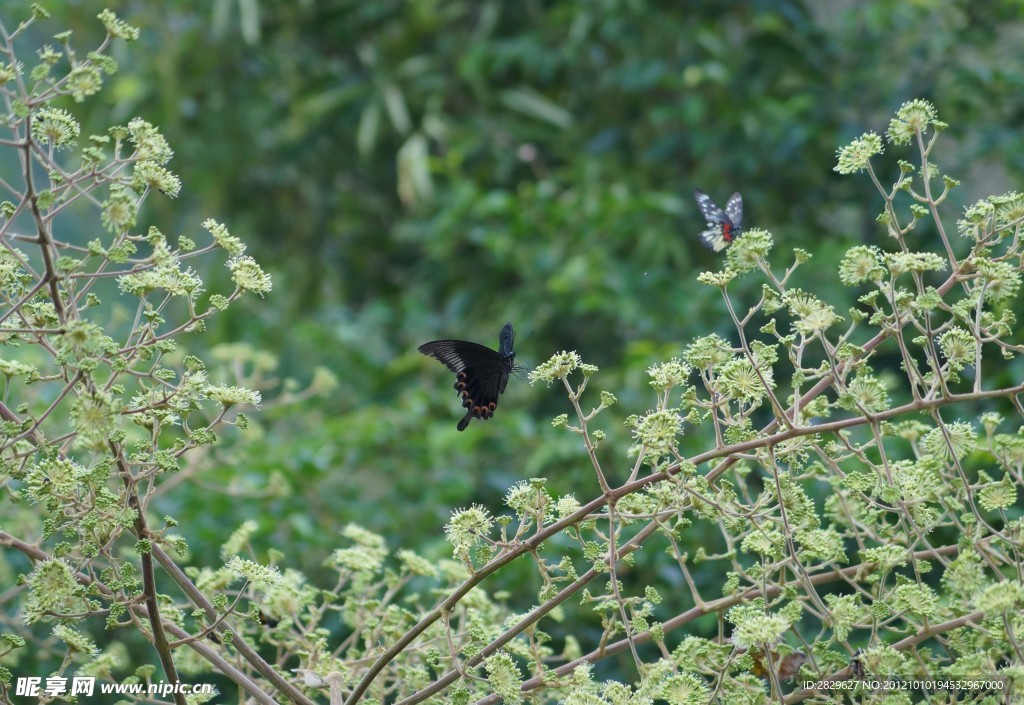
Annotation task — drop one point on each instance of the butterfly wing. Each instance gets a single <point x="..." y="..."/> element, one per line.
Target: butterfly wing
<point x="481" y="374"/>
<point x="480" y="385"/>
<point x="709" y="209"/>
<point x="447" y="352"/>
<point x="716" y="238"/>
<point x="734" y="210"/>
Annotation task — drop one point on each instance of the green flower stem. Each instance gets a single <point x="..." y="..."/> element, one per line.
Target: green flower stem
<point x="777" y="406"/>
<point x="30" y="433"/>
<point x="574" y="397"/>
<point x="933" y="205"/>
<point x="612" y="560"/>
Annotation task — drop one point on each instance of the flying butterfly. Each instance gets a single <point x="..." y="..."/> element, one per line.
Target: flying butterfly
<point x="481" y="374"/>
<point x="723" y="226"/>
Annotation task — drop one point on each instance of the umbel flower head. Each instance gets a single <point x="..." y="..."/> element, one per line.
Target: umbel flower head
<point x="56" y="127"/>
<point x="658" y="430"/>
<point x="118" y="28"/>
<point x="862" y="263"/>
<point x="75" y="640"/>
<point x="84" y="80"/>
<point x="560" y="365"/>
<point x="467" y="526"/>
<point x="258" y="575"/>
<point x="757" y="629"/>
<point x="51" y="588"/>
<point x="913" y="117"/>
<point x="231" y="244"/>
<point x="248" y="275"/>
<point x="855" y="156"/>
<point x="667" y="375"/>
<point x="504" y="677"/>
<point x="155" y="176"/>
<point x="811" y="314"/>
<point x="94" y="416"/>
<point x="682" y="689"/>
<point x="229" y="396"/>
<point x="150" y="145"/>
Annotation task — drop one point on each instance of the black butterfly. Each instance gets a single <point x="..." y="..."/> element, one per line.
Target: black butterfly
<point x="480" y="373"/>
<point x="723" y="226"/>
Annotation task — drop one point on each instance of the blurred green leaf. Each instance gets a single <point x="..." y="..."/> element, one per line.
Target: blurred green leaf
<point x="531" y="103"/>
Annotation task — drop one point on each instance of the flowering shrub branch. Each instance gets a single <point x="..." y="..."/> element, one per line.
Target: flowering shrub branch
<point x="97" y="414"/>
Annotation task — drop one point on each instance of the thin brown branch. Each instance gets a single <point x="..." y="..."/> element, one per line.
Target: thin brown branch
<point x="247" y="652"/>
<point x="42" y="228"/>
<point x="160" y="642"/>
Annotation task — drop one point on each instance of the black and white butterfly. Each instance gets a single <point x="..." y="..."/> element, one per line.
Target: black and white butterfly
<point x="723" y="226"/>
<point x="481" y="374"/>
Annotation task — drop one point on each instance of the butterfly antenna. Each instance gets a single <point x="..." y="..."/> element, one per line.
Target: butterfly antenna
<point x="522" y="372"/>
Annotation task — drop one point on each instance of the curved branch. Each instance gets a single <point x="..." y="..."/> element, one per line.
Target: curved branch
<point x="42" y="229"/>
<point x="243" y="648"/>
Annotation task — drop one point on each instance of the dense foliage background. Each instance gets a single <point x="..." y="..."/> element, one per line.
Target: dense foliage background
<point x="417" y="170"/>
